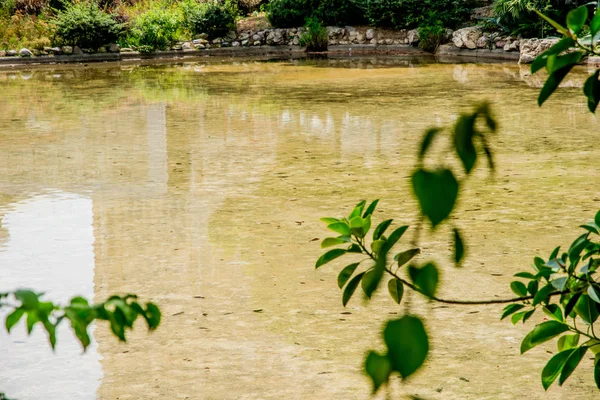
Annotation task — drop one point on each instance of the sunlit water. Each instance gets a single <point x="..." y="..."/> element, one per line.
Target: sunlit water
<point x="199" y="186"/>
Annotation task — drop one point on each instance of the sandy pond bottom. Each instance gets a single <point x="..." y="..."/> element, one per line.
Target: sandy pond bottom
<point x="199" y="186"/>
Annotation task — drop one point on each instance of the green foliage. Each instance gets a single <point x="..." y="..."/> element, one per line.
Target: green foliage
<point x="294" y="13"/>
<point x="289" y="13"/>
<point x="519" y="16"/>
<point x="413" y="13"/>
<point x="120" y="312"/>
<point x="215" y="18"/>
<point x="86" y="25"/>
<point x="431" y="37"/>
<point x="316" y="37"/>
<point x="155" y="29"/>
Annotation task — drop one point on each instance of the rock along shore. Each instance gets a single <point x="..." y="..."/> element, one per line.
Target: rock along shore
<point x="467" y="42"/>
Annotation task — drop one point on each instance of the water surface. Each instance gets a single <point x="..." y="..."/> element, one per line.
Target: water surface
<point x="199" y="186"/>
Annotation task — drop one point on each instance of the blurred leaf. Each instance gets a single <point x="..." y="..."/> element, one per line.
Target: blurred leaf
<point x="32" y="319"/>
<point x="329" y="256"/>
<point x="518" y="288"/>
<point x="517" y="317"/>
<point x="552" y="83"/>
<point x="407" y="344"/>
<point x="554" y="367"/>
<point x="354" y="248"/>
<point x="371" y="208"/>
<point x="425" y="278"/>
<point x="357" y="211"/>
<point x="405" y="256"/>
<point x="346" y="273"/>
<point x="464" y="131"/>
<point x="329" y="220"/>
<point x="396" y="289"/>
<point x="377" y="245"/>
<point x="394" y="237"/>
<point x="590" y="227"/>
<point x="576" y="19"/>
<point x="13" y="318"/>
<point x="437" y="192"/>
<point x="29" y="300"/>
<point x="340" y="227"/>
<point x="526" y="275"/>
<point x="595" y="24"/>
<point x="597" y="371"/>
<point x="597" y="218"/>
<point x="541" y="333"/>
<point x="381" y="228"/>
<point x="591" y="89"/>
<point x="561" y="29"/>
<point x="378" y="368"/>
<point x="153" y="315"/>
<point x="51" y="329"/>
<point x="554" y="253"/>
<point x="351" y="288"/>
<point x="511" y="309"/>
<point x="459" y="247"/>
<point x="541" y="60"/>
<point x="427" y="141"/>
<point x="571" y="364"/>
<point x="556" y="63"/>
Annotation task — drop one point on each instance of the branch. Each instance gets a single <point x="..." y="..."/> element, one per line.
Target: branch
<point x="468" y="302"/>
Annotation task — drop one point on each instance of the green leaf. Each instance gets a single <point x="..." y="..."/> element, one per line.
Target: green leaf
<point x="526" y="275"/>
<point x="351" y="288"/>
<point x="590" y="227"/>
<point x="597" y="218"/>
<point x="541" y="60"/>
<point x="354" y="248"/>
<point x="394" y="237"/>
<point x="346" y="273"/>
<point x="32" y="319"/>
<point x="381" y="228"/>
<point x="329" y="256"/>
<point x="571" y="304"/>
<point x="554" y="367"/>
<point x="542" y="294"/>
<point x="328" y="242"/>
<point x="517" y="317"/>
<point x="591" y="89"/>
<point x="340" y="227"/>
<point x="377" y="245"/>
<point x="29" y="300"/>
<point x="597" y="371"/>
<point x="356" y="227"/>
<point x="511" y="309"/>
<point x="13" y="318"/>
<point x="554" y="253"/>
<point x="595" y="24"/>
<point x="553" y="311"/>
<point x="436" y="192"/>
<point x="571" y="364"/>
<point x="552" y="83"/>
<point x="366" y="224"/>
<point x="577" y="247"/>
<point x="407" y="344"/>
<point x="153" y="315"/>
<point x="567" y="342"/>
<point x="528" y="315"/>
<point x="586" y="310"/>
<point x="532" y="287"/>
<point x="427" y="141"/>
<point x="459" y="247"/>
<point x="396" y="289"/>
<point x="425" y="278"/>
<point x="518" y="288"/>
<point x="51" y="329"/>
<point x="369" y="281"/>
<point x="405" y="256"/>
<point x="541" y="333"/>
<point x="329" y="220"/>
<point x="464" y="131"/>
<point x="378" y="368"/>
<point x="576" y="19"/>
<point x="556" y="63"/>
<point x="371" y="208"/>
<point x="593" y="293"/>
<point x="358" y="209"/>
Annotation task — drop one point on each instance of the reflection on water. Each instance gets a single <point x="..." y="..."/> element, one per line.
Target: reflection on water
<point x="48" y="247"/>
<point x="206" y="181"/>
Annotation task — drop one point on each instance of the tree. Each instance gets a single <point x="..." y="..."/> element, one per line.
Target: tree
<point x="563" y="286"/>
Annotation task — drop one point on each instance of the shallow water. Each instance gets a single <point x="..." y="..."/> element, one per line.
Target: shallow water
<point x="199" y="186"/>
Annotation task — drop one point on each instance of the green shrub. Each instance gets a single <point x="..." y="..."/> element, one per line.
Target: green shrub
<point x="413" y="13"/>
<point x="213" y="18"/>
<point x="519" y="17"/>
<point x="289" y="13"/>
<point x="294" y="13"/>
<point x="431" y="37"/>
<point x="86" y="25"/>
<point x="338" y="12"/>
<point x="316" y="37"/>
<point x="156" y="29"/>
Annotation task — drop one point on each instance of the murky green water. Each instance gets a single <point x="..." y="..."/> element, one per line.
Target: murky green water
<point x="200" y="185"/>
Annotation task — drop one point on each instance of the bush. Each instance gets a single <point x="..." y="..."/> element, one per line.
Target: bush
<point x="213" y="18"/>
<point x="338" y="12"/>
<point x="86" y="25"/>
<point x="30" y="6"/>
<point x="409" y="14"/>
<point x="295" y="13"/>
<point x="289" y="13"/>
<point x="519" y="17"/>
<point x="316" y="38"/>
<point x="156" y="29"/>
<point x="431" y="37"/>
<point x="25" y="31"/>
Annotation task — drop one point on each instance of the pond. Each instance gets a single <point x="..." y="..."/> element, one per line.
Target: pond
<point x="199" y="186"/>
